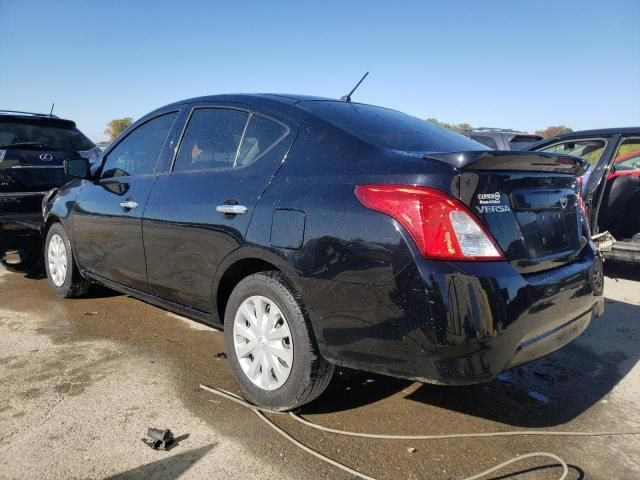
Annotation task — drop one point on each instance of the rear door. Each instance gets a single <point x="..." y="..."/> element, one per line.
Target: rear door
<point x="200" y="211"/>
<point x="598" y="152"/>
<point x="107" y="215"/>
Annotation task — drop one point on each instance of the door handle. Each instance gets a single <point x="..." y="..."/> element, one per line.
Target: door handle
<point x="129" y="205"/>
<point x="232" y="209"/>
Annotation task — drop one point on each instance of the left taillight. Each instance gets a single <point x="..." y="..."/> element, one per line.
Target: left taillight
<point x="441" y="226"/>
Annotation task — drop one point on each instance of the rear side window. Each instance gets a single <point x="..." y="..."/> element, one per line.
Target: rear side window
<point x="218" y="138"/>
<point x="590" y="150"/>
<point x="138" y="153"/>
<point x="48" y="137"/>
<point x="390" y="129"/>
<point x="485" y="140"/>
<point x="262" y="134"/>
<point x="211" y="140"/>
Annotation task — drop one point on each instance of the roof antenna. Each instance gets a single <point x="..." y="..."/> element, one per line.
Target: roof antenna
<point x="347" y="98"/>
<point x="51" y="112"/>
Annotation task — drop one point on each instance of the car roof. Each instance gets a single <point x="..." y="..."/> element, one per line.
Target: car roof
<point x="497" y="131"/>
<point x="35" y="118"/>
<point x="284" y="98"/>
<point x="268" y="100"/>
<point x="604" y="132"/>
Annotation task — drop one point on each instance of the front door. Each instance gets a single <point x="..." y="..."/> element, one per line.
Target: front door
<point x="199" y="212"/>
<point x="107" y="222"/>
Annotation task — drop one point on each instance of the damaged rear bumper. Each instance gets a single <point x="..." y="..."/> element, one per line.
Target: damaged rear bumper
<point x="460" y="323"/>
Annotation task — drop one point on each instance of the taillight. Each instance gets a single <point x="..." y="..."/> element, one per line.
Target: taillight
<point x="441" y="226"/>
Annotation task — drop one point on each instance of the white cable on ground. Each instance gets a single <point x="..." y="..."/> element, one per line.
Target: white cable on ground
<point x="565" y="468"/>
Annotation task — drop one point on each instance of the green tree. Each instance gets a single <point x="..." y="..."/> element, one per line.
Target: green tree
<point x="116" y="126"/>
<point x="459" y="127"/>
<point x="554" y="130"/>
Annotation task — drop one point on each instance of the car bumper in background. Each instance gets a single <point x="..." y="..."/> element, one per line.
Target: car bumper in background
<point x="624" y="252"/>
<point x="20" y="231"/>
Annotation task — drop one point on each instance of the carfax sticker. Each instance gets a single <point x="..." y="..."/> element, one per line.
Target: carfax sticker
<point x="489" y="198"/>
<point x="490" y="203"/>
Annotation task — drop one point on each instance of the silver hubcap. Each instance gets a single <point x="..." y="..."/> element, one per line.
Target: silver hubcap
<point x="263" y="343"/>
<point x="57" y="258"/>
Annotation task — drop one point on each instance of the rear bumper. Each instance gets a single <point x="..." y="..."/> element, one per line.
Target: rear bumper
<point x="20" y="231"/>
<point x="457" y="323"/>
<point x="624" y="252"/>
<point x="547" y="342"/>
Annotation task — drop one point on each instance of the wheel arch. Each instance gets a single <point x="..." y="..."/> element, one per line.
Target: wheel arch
<point x="46" y="226"/>
<point x="239" y="265"/>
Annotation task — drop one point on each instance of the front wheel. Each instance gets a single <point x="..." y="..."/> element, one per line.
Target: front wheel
<point x="270" y="344"/>
<point x="62" y="272"/>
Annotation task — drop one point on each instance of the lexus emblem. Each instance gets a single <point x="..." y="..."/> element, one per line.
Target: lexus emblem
<point x="564" y="200"/>
<point x="46" y="157"/>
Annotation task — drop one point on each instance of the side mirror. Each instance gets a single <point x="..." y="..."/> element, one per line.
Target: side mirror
<point x="77" y="168"/>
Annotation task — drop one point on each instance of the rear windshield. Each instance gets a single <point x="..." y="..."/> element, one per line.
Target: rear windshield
<point x="485" y="140"/>
<point x="520" y="142"/>
<point x="390" y="129"/>
<point x="44" y="137"/>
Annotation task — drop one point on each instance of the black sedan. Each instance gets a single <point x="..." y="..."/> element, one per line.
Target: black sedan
<point x="319" y="232"/>
<point x="33" y="147"/>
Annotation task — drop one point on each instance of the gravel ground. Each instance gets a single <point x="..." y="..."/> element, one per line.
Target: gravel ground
<point x="83" y="379"/>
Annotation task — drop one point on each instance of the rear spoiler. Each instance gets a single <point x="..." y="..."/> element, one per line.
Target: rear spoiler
<point x="512" y="161"/>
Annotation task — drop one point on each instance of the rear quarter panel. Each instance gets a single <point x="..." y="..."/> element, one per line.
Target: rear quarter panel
<point x="350" y="256"/>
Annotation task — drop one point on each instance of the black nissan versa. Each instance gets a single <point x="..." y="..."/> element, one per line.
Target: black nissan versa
<point x="33" y="147"/>
<point x="321" y="232"/>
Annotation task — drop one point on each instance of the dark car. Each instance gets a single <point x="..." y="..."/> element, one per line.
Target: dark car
<point x="33" y="148"/>
<point x="319" y="232"/>
<point x="502" y="139"/>
<point x="611" y="186"/>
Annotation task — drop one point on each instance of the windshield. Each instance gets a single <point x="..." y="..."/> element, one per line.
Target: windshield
<point x="42" y="137"/>
<point x="390" y="129"/>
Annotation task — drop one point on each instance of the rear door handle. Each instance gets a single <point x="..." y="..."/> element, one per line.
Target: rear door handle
<point x="129" y="205"/>
<point x="232" y="209"/>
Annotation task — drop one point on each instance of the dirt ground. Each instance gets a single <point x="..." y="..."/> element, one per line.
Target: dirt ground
<point x="83" y="379"/>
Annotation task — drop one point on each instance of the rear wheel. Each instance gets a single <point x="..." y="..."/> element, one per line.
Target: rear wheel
<point x="62" y="272"/>
<point x="270" y="344"/>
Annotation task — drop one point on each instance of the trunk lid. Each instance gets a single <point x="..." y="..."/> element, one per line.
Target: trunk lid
<point x="530" y="202"/>
<point x="29" y="171"/>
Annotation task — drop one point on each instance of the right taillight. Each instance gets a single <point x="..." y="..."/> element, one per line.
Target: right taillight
<point x="442" y="227"/>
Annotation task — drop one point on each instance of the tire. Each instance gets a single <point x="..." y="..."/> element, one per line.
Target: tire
<point x="300" y="374"/>
<point x="58" y="254"/>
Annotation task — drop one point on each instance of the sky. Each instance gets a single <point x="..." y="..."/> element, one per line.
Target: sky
<point x="510" y="64"/>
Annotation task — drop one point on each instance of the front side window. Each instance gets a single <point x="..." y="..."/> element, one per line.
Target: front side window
<point x="138" y="153"/>
<point x="590" y="150"/>
<point x="628" y="156"/>
<point x="211" y="140"/>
